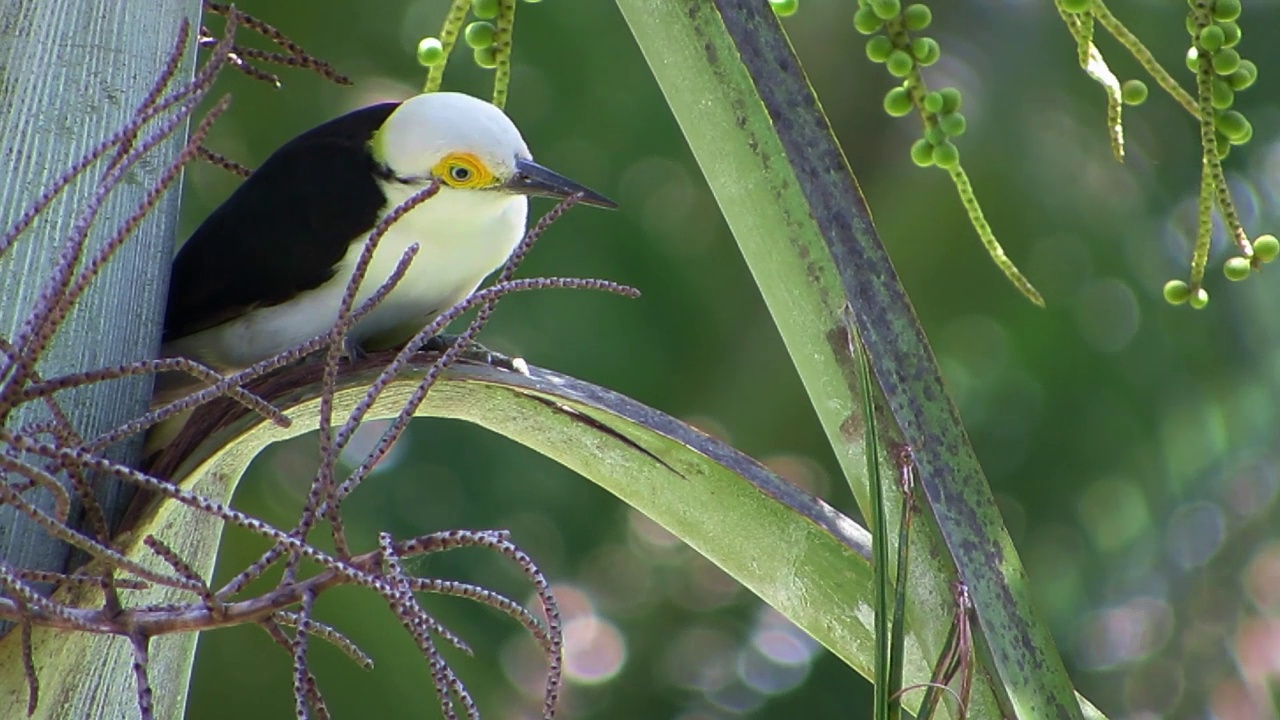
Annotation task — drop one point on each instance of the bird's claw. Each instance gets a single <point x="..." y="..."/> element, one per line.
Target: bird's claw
<point x="352" y="350"/>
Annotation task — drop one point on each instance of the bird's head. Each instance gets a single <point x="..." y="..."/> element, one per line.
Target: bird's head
<point x="466" y="144"/>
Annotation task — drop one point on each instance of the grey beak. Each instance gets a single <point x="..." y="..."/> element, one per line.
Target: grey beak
<point x="533" y="179"/>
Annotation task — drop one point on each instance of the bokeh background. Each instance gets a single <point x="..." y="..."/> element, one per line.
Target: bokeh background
<point x="1132" y="445"/>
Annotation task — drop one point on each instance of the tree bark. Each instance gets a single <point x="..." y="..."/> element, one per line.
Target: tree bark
<point x="71" y="74"/>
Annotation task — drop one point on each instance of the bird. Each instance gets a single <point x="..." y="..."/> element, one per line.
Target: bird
<point x="267" y="270"/>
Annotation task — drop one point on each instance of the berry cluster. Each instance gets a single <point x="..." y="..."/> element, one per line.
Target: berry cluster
<point x="895" y="41"/>
<point x="889" y="25"/>
<point x="489" y="36"/>
<point x="1220" y="73"/>
<point x="481" y="36"/>
<point x="1215" y="42"/>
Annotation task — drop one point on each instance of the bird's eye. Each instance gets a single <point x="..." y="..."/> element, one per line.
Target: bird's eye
<point x="463" y="170"/>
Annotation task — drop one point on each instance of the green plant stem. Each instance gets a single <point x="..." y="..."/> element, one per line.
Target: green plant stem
<point x="736" y="88"/>
<point x="1144" y="57"/>
<point x="879" y="539"/>
<point x="448" y="38"/>
<point x="502" y="43"/>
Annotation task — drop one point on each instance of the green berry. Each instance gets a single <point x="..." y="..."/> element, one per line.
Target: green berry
<point x="1199" y="299"/>
<point x="917" y="17"/>
<point x="430" y="51"/>
<point x="1266" y="247"/>
<point x="480" y="34"/>
<point x="946" y="155"/>
<point x="922" y="153"/>
<point x="1232" y="124"/>
<point x="1134" y="92"/>
<point x="1232" y="33"/>
<point x="926" y="51"/>
<point x="952" y="124"/>
<point x="950" y="99"/>
<point x="1176" y="292"/>
<point x="1211" y="38"/>
<point x="886" y="9"/>
<point x="1226" y="10"/>
<point x="1221" y="94"/>
<point x="899" y="63"/>
<point x="933" y="101"/>
<point x="1193" y="59"/>
<point x="1236" y="268"/>
<point x="935" y="136"/>
<point x="1226" y="61"/>
<point x="1193" y="29"/>
<point x="897" y="102"/>
<point x="1243" y="137"/>
<point x="484" y="9"/>
<point x="486" y="57"/>
<point x="1244" y="76"/>
<point x="784" y="8"/>
<point x="866" y="21"/>
<point x="1077" y="6"/>
<point x="879" y="48"/>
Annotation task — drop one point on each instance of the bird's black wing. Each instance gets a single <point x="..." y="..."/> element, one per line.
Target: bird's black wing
<point x="284" y="228"/>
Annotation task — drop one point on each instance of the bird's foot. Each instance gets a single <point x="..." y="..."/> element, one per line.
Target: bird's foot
<point x="352" y="350"/>
<point x="475" y="352"/>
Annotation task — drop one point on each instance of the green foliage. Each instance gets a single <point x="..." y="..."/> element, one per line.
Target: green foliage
<point x="706" y="333"/>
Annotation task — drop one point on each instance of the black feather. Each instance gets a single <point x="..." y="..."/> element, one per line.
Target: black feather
<point x="284" y="229"/>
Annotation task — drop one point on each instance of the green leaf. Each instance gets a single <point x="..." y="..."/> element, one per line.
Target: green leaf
<point x="794" y="551"/>
<point x="737" y="89"/>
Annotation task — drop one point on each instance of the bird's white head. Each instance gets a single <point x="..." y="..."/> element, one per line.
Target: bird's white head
<point x="463" y="141"/>
<point x="466" y="144"/>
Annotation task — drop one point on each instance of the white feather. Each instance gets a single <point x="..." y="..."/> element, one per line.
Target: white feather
<point x="462" y="234"/>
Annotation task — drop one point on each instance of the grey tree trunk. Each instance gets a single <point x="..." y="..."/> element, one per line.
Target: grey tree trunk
<point x="71" y="72"/>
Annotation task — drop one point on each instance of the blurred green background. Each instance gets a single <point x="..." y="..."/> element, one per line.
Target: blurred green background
<point x="1132" y="445"/>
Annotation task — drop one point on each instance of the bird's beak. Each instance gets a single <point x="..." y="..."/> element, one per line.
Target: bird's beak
<point x="533" y="179"/>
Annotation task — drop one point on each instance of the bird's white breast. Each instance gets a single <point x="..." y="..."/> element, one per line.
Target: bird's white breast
<point x="463" y="235"/>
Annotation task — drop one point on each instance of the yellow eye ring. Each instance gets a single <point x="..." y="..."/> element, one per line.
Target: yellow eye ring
<point x="463" y="170"/>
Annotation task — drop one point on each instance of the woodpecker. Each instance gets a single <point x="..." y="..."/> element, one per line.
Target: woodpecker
<point x="267" y="270"/>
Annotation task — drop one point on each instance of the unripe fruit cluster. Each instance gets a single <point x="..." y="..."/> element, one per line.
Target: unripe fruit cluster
<point x="1217" y="41"/>
<point x="479" y="36"/>
<point x="1266" y="248"/>
<point x="940" y="108"/>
